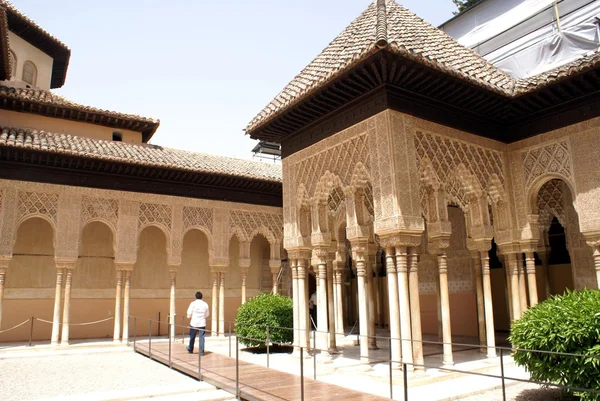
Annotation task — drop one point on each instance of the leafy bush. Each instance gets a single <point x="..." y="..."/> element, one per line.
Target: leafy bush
<point x="566" y="323"/>
<point x="272" y="310"/>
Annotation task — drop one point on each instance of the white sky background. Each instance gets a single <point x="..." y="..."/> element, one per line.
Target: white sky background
<point x="204" y="68"/>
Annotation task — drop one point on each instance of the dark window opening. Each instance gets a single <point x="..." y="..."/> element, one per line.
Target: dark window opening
<point x="117" y="136"/>
<point x="559" y="254"/>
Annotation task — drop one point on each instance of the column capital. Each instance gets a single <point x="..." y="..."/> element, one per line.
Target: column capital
<point x="320" y="253"/>
<point x="360" y="249"/>
<point x="593" y="239"/>
<point x="124" y="266"/>
<point x="298" y="253"/>
<point x="4" y="261"/>
<point x="401" y="238"/>
<point x="245" y="263"/>
<point x="68" y="264"/>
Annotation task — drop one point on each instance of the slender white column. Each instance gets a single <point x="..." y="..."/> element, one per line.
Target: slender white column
<point x="126" y="299"/>
<point x="214" y="326"/>
<point x="447" y="359"/>
<point x="222" y="305"/>
<point x="522" y="283"/>
<point x="172" y="303"/>
<point x="322" y="317"/>
<point x="415" y="306"/>
<point x="489" y="308"/>
<point x="67" y="305"/>
<point x="3" y="267"/>
<point x="392" y="281"/>
<point x="330" y="308"/>
<point x="363" y="309"/>
<point x="57" y="299"/>
<point x="531" y="280"/>
<point x="118" y="295"/>
<point x="338" y="279"/>
<point x="508" y="291"/>
<point x="597" y="265"/>
<point x="303" y="332"/>
<point x="403" y="298"/>
<point x="294" y="267"/>
<point x="513" y="283"/>
<point x="371" y="305"/>
<point x="480" y="300"/>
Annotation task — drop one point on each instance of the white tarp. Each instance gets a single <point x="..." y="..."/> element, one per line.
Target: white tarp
<point x="522" y="37"/>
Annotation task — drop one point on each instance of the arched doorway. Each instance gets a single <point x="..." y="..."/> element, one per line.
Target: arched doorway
<point x="194" y="273"/>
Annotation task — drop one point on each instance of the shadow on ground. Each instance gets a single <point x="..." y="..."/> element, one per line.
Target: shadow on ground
<point x="544" y="394"/>
<point x="274" y="349"/>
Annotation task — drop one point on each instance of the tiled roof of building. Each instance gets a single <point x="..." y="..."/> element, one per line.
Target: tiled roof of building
<point x="144" y="154"/>
<point x="387" y="25"/>
<point x="47" y="98"/>
<point x="579" y="65"/>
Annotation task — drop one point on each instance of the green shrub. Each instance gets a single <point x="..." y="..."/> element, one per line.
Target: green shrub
<point x="272" y="310"/>
<point x="566" y="323"/>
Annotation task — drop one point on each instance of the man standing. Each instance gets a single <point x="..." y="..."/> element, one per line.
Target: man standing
<point x="198" y="312"/>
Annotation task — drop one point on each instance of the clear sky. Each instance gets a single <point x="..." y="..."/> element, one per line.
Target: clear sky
<point x="204" y="68"/>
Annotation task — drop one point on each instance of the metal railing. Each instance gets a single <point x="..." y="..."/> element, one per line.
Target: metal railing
<point x="405" y="366"/>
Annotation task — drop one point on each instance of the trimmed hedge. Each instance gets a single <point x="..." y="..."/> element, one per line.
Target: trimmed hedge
<point x="565" y="323"/>
<point x="272" y="310"/>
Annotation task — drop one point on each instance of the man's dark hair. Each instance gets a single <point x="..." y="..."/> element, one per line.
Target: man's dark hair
<point x="198" y="295"/>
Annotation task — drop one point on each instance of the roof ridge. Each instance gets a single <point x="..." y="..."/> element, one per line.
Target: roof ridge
<point x="381" y="30"/>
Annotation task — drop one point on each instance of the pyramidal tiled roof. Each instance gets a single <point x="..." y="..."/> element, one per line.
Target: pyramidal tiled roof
<point x="144" y="154"/>
<point x="387" y="25"/>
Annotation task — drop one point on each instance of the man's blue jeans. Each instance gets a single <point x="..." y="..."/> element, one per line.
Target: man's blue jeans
<point x="193" y="332"/>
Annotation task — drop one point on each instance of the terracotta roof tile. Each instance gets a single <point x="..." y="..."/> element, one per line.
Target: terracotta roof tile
<point x="44" y="97"/>
<point x="145" y="154"/>
<point x="387" y="24"/>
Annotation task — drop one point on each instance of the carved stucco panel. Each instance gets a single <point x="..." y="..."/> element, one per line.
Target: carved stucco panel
<point x="68" y="226"/>
<point x="96" y="208"/>
<point x="250" y="223"/>
<point x="552" y="158"/>
<point x="127" y="231"/>
<point x="9" y="220"/>
<point x="33" y="203"/>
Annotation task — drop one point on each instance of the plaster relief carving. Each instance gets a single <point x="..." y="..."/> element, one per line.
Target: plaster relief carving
<point x="553" y="158"/>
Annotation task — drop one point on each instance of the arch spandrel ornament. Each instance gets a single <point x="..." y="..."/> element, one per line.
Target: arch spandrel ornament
<point x="105" y="210"/>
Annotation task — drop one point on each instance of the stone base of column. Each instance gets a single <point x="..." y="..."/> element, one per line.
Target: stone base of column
<point x="324" y="357"/>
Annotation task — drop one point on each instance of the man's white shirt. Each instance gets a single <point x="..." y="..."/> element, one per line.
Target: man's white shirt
<point x="198" y="311"/>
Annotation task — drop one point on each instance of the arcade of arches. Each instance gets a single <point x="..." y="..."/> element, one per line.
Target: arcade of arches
<point x="72" y="255"/>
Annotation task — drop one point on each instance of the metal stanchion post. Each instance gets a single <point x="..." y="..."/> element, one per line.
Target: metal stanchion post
<point x="267" y="342"/>
<point x="31" y="331"/>
<point x="405" y="374"/>
<point x="315" y="355"/>
<point x="237" y="370"/>
<point x="301" y="374"/>
<point x="391" y="383"/>
<point x="502" y="374"/>
<point x="199" y="363"/>
<point x="134" y="331"/>
<point x="150" y="339"/>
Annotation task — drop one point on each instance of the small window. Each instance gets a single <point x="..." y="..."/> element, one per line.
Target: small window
<point x="13" y="63"/>
<point x="117" y="136"/>
<point x="29" y="73"/>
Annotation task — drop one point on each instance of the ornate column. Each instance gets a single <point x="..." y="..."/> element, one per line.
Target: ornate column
<point x="513" y="276"/>
<point x="531" y="280"/>
<point x="275" y="266"/>
<point x="338" y="281"/>
<point x="403" y="298"/>
<point x="294" y="268"/>
<point x="372" y="298"/>
<point x="3" y="268"/>
<point x="522" y="283"/>
<point x="214" y="327"/>
<point x="597" y="264"/>
<point x="480" y="299"/>
<point x="244" y="263"/>
<point x="332" y="348"/>
<point x="322" y="316"/>
<point x="593" y="240"/>
<point x="118" y="296"/>
<point x="303" y="326"/>
<point x="447" y="359"/>
<point x="392" y="282"/>
<point x="244" y="272"/>
<point x="172" y="304"/>
<point x="488" y="306"/>
<point x="415" y="306"/>
<point x="126" y="268"/>
<point x="69" y="267"/>
<point x="222" y="304"/>
<point x="57" y="299"/>
<point x="359" y="249"/>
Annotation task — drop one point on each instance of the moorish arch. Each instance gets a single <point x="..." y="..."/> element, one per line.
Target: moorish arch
<point x="94" y="280"/>
<point x="33" y="268"/>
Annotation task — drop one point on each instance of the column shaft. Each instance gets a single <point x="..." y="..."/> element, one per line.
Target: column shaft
<point x="222" y="305"/>
<point x="415" y="307"/>
<point x="489" y="308"/>
<point x="363" y="308"/>
<point x="275" y="282"/>
<point x="371" y="309"/>
<point x="56" y="315"/>
<point x="597" y="265"/>
<point x="447" y="358"/>
<point x="480" y="301"/>
<point x="172" y="305"/>
<point x="403" y="298"/>
<point x="544" y="257"/>
<point x="522" y="284"/>
<point x="303" y="326"/>
<point x="118" y="295"/>
<point x="338" y="301"/>
<point x="126" y="299"/>
<point x="294" y="264"/>
<point x="2" y="279"/>
<point x="214" y="326"/>
<point x="244" y="275"/>
<point x="330" y="308"/>
<point x="513" y="274"/>
<point x="67" y="308"/>
<point x="392" y="282"/>
<point x="531" y="281"/>
<point x="322" y="317"/>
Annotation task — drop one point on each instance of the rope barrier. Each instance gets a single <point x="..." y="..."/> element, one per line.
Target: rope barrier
<point x="12" y="328"/>
<point x="44" y="321"/>
<point x="88" y="323"/>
